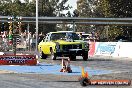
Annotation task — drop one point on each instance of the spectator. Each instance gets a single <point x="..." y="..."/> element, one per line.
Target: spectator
<point x="40" y="38"/>
<point x="33" y="42"/>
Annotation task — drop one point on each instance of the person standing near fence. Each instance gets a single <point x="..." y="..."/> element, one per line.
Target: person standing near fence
<point x="4" y="40"/>
<point x="41" y="37"/>
<point x="33" y="42"/>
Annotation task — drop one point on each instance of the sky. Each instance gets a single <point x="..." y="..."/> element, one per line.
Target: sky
<point x="71" y="3"/>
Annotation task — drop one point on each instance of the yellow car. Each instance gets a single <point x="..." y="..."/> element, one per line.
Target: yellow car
<point x="63" y="43"/>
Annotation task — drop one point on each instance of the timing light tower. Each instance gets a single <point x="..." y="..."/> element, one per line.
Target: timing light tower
<point x="14" y="30"/>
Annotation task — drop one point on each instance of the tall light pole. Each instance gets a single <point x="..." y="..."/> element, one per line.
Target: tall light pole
<point x="36" y="25"/>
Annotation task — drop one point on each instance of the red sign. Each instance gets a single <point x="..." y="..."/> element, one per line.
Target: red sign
<point x="91" y="48"/>
<point x="18" y="60"/>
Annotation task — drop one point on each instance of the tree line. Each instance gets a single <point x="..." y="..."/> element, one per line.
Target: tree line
<point x="106" y="9"/>
<point x="85" y="8"/>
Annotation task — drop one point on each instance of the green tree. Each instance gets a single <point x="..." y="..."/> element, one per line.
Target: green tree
<point x="88" y="8"/>
<point x="28" y="8"/>
<point x="118" y="8"/>
<point x="51" y="8"/>
<point x="105" y="8"/>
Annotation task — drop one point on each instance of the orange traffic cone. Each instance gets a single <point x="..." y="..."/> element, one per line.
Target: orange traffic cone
<point x="63" y="66"/>
<point x="68" y="67"/>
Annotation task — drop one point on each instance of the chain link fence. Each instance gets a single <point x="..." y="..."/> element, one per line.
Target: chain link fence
<point x="22" y="44"/>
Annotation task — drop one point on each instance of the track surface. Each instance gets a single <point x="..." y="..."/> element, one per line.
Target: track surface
<point x="120" y="68"/>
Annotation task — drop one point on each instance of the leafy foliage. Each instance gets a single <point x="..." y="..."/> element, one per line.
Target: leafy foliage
<point x="106" y="8"/>
<point x="121" y="8"/>
<point x="89" y="8"/>
<point x="28" y="8"/>
<point x="85" y="8"/>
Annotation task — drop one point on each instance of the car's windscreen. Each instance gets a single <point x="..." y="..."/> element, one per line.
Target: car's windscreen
<point x="57" y="36"/>
<point x="64" y="36"/>
<point x="73" y="36"/>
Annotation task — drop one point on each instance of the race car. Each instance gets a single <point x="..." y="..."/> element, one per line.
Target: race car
<point x="63" y="43"/>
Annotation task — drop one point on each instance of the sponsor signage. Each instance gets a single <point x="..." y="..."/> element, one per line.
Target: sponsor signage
<point x="18" y="60"/>
<point x="106" y="48"/>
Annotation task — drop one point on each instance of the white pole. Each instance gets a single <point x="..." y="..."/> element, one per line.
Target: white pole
<point x="36" y="25"/>
<point x="28" y="37"/>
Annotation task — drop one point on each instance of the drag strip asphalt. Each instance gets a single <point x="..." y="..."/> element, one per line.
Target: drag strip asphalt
<point x="44" y="68"/>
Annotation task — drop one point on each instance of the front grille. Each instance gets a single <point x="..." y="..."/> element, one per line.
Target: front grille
<point x="67" y="47"/>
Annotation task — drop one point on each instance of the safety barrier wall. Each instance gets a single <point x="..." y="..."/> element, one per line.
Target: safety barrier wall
<point x="114" y="49"/>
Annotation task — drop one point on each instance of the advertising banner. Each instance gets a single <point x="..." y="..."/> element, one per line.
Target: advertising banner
<point x="105" y="48"/>
<point x="18" y="60"/>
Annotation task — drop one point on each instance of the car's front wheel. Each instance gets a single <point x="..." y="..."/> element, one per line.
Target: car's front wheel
<point x="44" y="56"/>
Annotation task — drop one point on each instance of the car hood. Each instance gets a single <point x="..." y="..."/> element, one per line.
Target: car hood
<point x="63" y="42"/>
